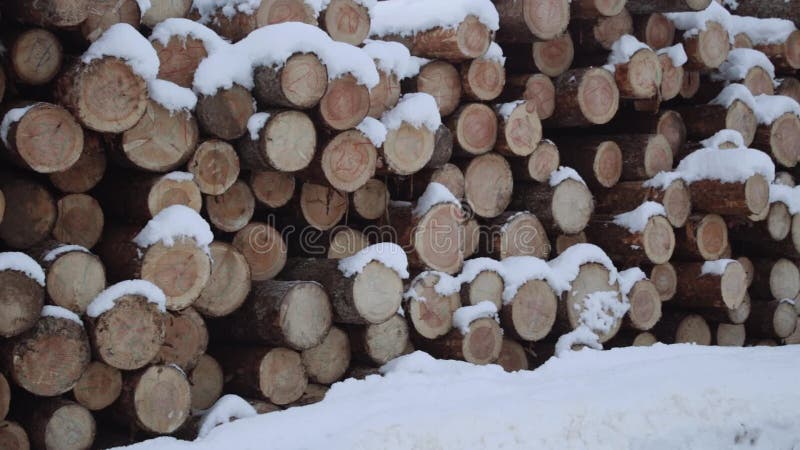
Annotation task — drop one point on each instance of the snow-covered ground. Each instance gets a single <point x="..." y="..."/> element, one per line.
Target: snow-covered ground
<point x="661" y="397"/>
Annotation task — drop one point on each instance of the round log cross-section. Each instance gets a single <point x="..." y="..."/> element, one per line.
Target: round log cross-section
<point x="35" y="57"/>
<point x="264" y="249"/>
<point x="345" y="103"/>
<point x="179" y="59"/>
<point x="348" y="160"/>
<point x="45" y="139"/>
<point x="161" y="141"/>
<point x="299" y="84"/>
<point x="229" y="284"/>
<point x="488" y="185"/>
<point x="442" y="81"/>
<point x="346" y="21"/>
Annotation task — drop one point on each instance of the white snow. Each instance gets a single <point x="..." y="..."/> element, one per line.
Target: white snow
<point x="171" y="96"/>
<point x="123" y="41"/>
<point x="694" y="22"/>
<point x="271" y="46"/>
<point x="564" y="173"/>
<point x="715" y="267"/>
<point x="61" y="313"/>
<point x="374" y="130"/>
<point x="729" y="166"/>
<point x="495" y="53"/>
<point x="207" y="8"/>
<point x="789" y="196"/>
<point x="60" y="250"/>
<point x="567" y="265"/>
<point x="21" y="262"/>
<point x="390" y="255"/>
<point x="144" y="6"/>
<point x="740" y="61"/>
<point x="676" y="53"/>
<point x="416" y="109"/>
<point x="629" y="278"/>
<point x="179" y="176"/>
<point x="760" y="31"/>
<point x="12" y="116"/>
<point x="770" y="107"/>
<point x="622" y="50"/>
<point x="435" y="194"/>
<point x="464" y="316"/>
<point x="407" y="17"/>
<point x="394" y="57"/>
<point x="636" y="221"/>
<point x="255" y="123"/>
<point x="106" y="299"/>
<point x="226" y="409"/>
<point x="582" y="335"/>
<point x="732" y="93"/>
<point x="174" y="222"/>
<point x="320" y="5"/>
<point x="724" y="136"/>
<point x="185" y="28"/>
<point x="505" y="109"/>
<point x="518" y="270"/>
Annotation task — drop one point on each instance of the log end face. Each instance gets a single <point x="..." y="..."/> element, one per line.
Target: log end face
<point x="179" y="58"/>
<point x="657" y="156"/>
<point x="167" y="192"/>
<point x="388" y="340"/>
<point x="671" y="126"/>
<point x="328" y="362"/>
<point x="441" y="80"/>
<point x="181" y="271"/>
<point x="75" y="279"/>
<point x="408" y="149"/>
<point x="730" y="335"/>
<point x="48" y="139"/>
<point x="272" y="188"/>
<point x="759" y="82"/>
<point x="263" y="248"/>
<point x="473" y="38"/>
<point x="162" y="399"/>
<point x="598" y="96"/>
<point x="451" y="177"/>
<point x="347" y="21"/>
<point x="512" y="356"/>
<point x="304" y="80"/>
<point x="306" y="315"/>
<point x="792" y="48"/>
<point x="225" y="114"/>
<point x="546" y="19"/>
<point x="645" y="309"/>
<point x="534" y="310"/>
<point x="488" y="185"/>
<point x="644" y="74"/>
<point x="345" y="103"/>
<point x="659" y="240"/>
<point x="733" y="285"/>
<point x="713" y="45"/>
<point x="21" y="299"/>
<point x="289" y="141"/>
<point x="544" y="161"/>
<point x="346" y="242"/>
<point x="540" y="91"/>
<point x="665" y="280"/>
<point x="572" y="206"/>
<point x="784" y="279"/>
<point x="322" y="207"/>
<point x="784" y="321"/>
<point x="609" y="29"/>
<point x="370" y="201"/>
<point x="607" y="164"/>
<point x="523" y="129"/>
<point x="783" y="140"/>
<point x="232" y="210"/>
<point x="13" y="436"/>
<point x="282" y="378"/>
<point x="71" y="426"/>
<point x="779" y="221"/>
<point x="487" y="286"/>
<point x="693" y="329"/>
<point x="98" y="387"/>
<point x="215" y="166"/>
<point x="756" y="192"/>
<point x="644" y="340"/>
<point x="206" y="380"/>
<point x="671" y="78"/>
<point x="742" y="119"/>
<point x="111" y="97"/>
<point x="229" y="283"/>
<point x="377" y="292"/>
<point x="476" y="129"/>
<point x="486" y="79"/>
<point x="185" y="339"/>
<point x="438" y="238"/>
<point x="433" y="317"/>
<point x="659" y="32"/>
<point x="555" y="56"/>
<point x="524" y="236"/>
<point x="483" y="342"/>
<point x="35" y="56"/>
<point x="609" y="7"/>
<point x="129" y="335"/>
<point x="712" y="237"/>
<point x="677" y="203"/>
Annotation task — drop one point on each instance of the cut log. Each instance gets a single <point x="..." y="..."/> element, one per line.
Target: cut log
<point x="705" y="238"/>
<point x="264" y="249"/>
<point x="345" y="242"/>
<point x="776" y="279"/>
<point x="531" y="313"/>
<point x="228" y="285"/>
<point x="21" y="299"/>
<point x="591" y="278"/>
<point x="185" y="340"/>
<point x="2" y="205"/>
<point x="346" y="21"/>
<point x="371" y="200"/>
<point x="136" y="197"/>
<point x="225" y="114"/>
<point x="627" y="338"/>
<point x="87" y="171"/>
<point x="789" y="87"/>
<point x="479" y="345"/>
<point x="671" y="78"/>
<point x="380" y="343"/>
<point x="45" y="139"/>
<point x="105" y="13"/>
<point x="469" y="40"/>
<point x="598" y="35"/>
<point x="640" y="77"/>
<point x="206" y="381"/>
<point x="35" y="57"/>
<point x="749" y="268"/>
<point x="80" y="220"/>
<point x="73" y="278"/>
<point x="517" y="234"/>
<point x="654" y="29"/>
<point x="483" y="79"/>
<point x="654" y="244"/>
<point x="759" y="81"/>
<point x="708" y="49"/>
<point x="540" y="164"/>
<point x="441" y="81"/>
<point x="565" y="241"/>
<point x="286" y="143"/>
<point x="566" y="207"/>
<point x="781" y="139"/>
<point x="105" y="95"/>
<point x="272" y="188"/>
<point x="555" y="56"/>
<point x="675" y="199"/>
<point x="696" y="289"/>
<point x="584" y="97"/>
<point x="733" y="199"/>
<point x="299" y="84"/>
<point x="434" y="240"/>
<point x="520" y="131"/>
<point x="429" y="312"/>
<point x="233" y="209"/>
<point x="665" y="279"/>
<point x="706" y="120"/>
<point x="645" y="306"/>
<point x="5" y="398"/>
<point x="30" y="217"/>
<point x="544" y="19"/>
<point x="730" y="335"/>
<point x="472" y="231"/>
<point x="667" y="123"/>
<point x="215" y="167"/>
<point x="693" y="329"/>
<point x="161" y="10"/>
<point x="488" y="185"/>
<point x="599" y="161"/>
<point x="98" y="387"/>
<point x="774" y="319"/>
<point x="590" y="9"/>
<point x="58" y="424"/>
<point x="691" y="83"/>
<point x="369" y="297"/>
<point x="235" y="26"/>
<point x="536" y="89"/>
<point x="13" y="436"/>
<point x="322" y="207"/>
<point x="157" y="399"/>
<point x="385" y="95"/>
<point x="345" y="103"/>
<point x="407" y="149"/>
<point x="327" y="362"/>
<point x="48" y="359"/>
<point x="513" y="356"/>
<point x="786" y="10"/>
<point x="179" y="58"/>
<point x="50" y="13"/>
<point x="757" y="243"/>
<point x="348" y="160"/>
<point x="474" y="127"/>
<point x="487" y="285"/>
<point x="794" y="338"/>
<point x="652" y="6"/>
<point x="274" y="374"/>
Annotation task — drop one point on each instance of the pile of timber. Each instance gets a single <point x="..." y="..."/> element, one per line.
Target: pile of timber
<point x="193" y="203"/>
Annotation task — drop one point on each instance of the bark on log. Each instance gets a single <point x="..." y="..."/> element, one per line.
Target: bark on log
<point x="264" y="249"/>
<point x="652" y="6"/>
<point x="268" y="12"/>
<point x="667" y="123"/>
<point x="371" y="200"/>
<point x="50" y="13"/>
<point x="671" y="78"/>
<point x="98" y="387"/>
<point x="185" y="340"/>
<point x="517" y="234"/>
<point x="776" y="279"/>
<point x="733" y="199"/>
<point x="479" y="345"/>
<point x="206" y="381"/>
<point x="30" y="217"/>
<point x="233" y="209"/>
<point x="156" y="399"/>
<point x="345" y="103"/>
<point x="274" y="374"/>
<point x="327" y="362"/>
<point x="87" y="171"/>
<point x="35" y="57"/>
<point x="483" y="79"/>
<point x="161" y="10"/>
<point x="469" y="40"/>
<point x="654" y="244"/>
<point x="675" y="199"/>
<point x="520" y="131"/>
<point x="645" y="306"/>
<point x="781" y="138"/>
<point x="598" y="35"/>
<point x="540" y="164"/>
<point x="299" y="84"/>
<point x="346" y="21"/>
<point x="708" y="49"/>
<point x="434" y="240"/>
<point x="225" y="114"/>
<point x="544" y="19"/>
<point x="654" y="29"/>
<point x="786" y="10"/>
<point x="774" y="319"/>
<point x="378" y="344"/>
<point x="567" y="207"/>
<point x="682" y="328"/>
<point x="5" y="398"/>
<point x="488" y="185"/>
<point x="789" y="87"/>
<point x="179" y="58"/>
<point x="536" y="89"/>
<point x="441" y="81"/>
<point x="698" y="290"/>
<point x="531" y="313"/>
<point x="474" y="127"/>
<point x="215" y="166"/>
<point x="58" y="424"/>
<point x="135" y="197"/>
<point x="45" y="139"/>
<point x="749" y="241"/>
<point x="229" y="283"/>
<point x="703" y="121"/>
<point x="432" y="317"/>
<point x="599" y="161"/>
<point x="105" y="13"/>
<point x="584" y="97"/>
<point x="286" y="143"/>
<point x="704" y="238"/>
<point x="80" y="220"/>
<point x="272" y="189"/>
<point x="73" y="278"/>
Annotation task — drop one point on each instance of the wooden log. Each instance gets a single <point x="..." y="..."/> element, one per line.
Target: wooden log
<point x="469" y="40"/>
<point x="2" y="205"/>
<point x="346" y="21"/>
<point x="441" y="81"/>
<point x="5" y="397"/>
<point x="345" y="242"/>
<point x="215" y="166"/>
<point x="531" y="313"/>
<point x="263" y="248"/>
<point x="73" y="277"/>
<point x="708" y="49"/>
<point x="225" y="114"/>
<point x="377" y="344"/>
<point x="233" y="209"/>
<point x="479" y="345"/>
<point x="488" y="185"/>
<point x="675" y="199"/>
<point x="544" y="19"/>
<point x="520" y="130"/>
<point x="119" y="100"/>
<point x="134" y="197"/>
<point x="429" y="312"/>
<point x="322" y="207"/>
<point x="654" y="244"/>
<point x="228" y="284"/>
<point x="729" y="335"/>
<point x="704" y="238"/>
<point x="314" y="393"/>
<point x="750" y="197"/>
<point x="35" y="57"/>
<point x="80" y="220"/>
<point x="51" y="13"/>
<point x="407" y="149"/>
<point x="536" y="89"/>
<point x="513" y="356"/>
<point x="185" y="339"/>
<point x="274" y="374"/>
<point x="442" y="148"/>
<point x="156" y="399"/>
<point x="540" y="164"/>
<point x="789" y="87"/>
<point x="693" y="329"/>
<point x="792" y="339"/>
<point x="598" y="35"/>
<point x="286" y="143"/>
<point x="299" y="84"/>
<point x="565" y="241"/>
<point x="555" y="56"/>
<point x="645" y="306"/>
<point x="370" y="200"/>
<point x="591" y="278"/>
<point x="760" y="244"/>
<point x="434" y="239"/>
<point x="786" y="10"/>
<point x="369" y="297"/>
<point x="640" y="77"/>
<point x="206" y="381"/>
<point x="105" y="13"/>
<point x="691" y="84"/>
<point x="472" y="230"/>
<point x="774" y="319"/>
<point x="567" y="206"/>
<point x="236" y="26"/>
<point x="627" y="338"/>
<point x="654" y="29"/>
<point x="696" y="289"/>
<point x="598" y="161"/>
<point x="56" y="423"/>
<point x="776" y="279"/>
<point x="474" y="127"/>
<point x="272" y="189"/>
<point x="517" y="234"/>
<point x="30" y="217"/>
<point x="98" y="387"/>
<point x="590" y="9"/>
<point x="758" y="81"/>
<point x="12" y="435"/>
<point x="345" y="103"/>
<point x="48" y="359"/>
<point x="487" y="285"/>
<point x="706" y="120"/>
<point x="584" y="97"/>
<point x="742" y="40"/>
<point x="776" y="226"/>
<point x="781" y="139"/>
<point x="667" y="123"/>
<point x="179" y="57"/>
<point x="45" y="138"/>
<point x="87" y="171"/>
<point x="665" y="279"/>
<point x="161" y="10"/>
<point x="653" y="6"/>
<point x="482" y="79"/>
<point x="385" y="95"/>
<point x="21" y="298"/>
<point x="671" y="78"/>
<point x="327" y="362"/>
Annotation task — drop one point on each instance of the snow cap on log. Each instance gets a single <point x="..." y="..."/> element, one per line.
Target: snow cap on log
<point x="21" y="262"/>
<point x="394" y="58"/>
<point x="61" y="313"/>
<point x="567" y="265"/>
<point x="518" y="270"/>
<point x="760" y="31"/>
<point x="676" y="53"/>
<point x="12" y="116"/>
<point x="622" y="50"/>
<point x="374" y="130"/>
<point x="464" y="316"/>
<point x="320" y="5"/>
<point x="174" y="222"/>
<point x="255" y="123"/>
<point x="389" y="254"/>
<point x="407" y="17"/>
<point x="788" y="195"/>
<point x="126" y="43"/>
<point x="144" y="6"/>
<point x="172" y="97"/>
<point x="106" y="299"/>
<point x="740" y="61"/>
<point x="227" y="408"/>
<point x="716" y="267"/>
<point x="495" y="53"/>
<point x="628" y="279"/>
<point x="636" y="221"/>
<point x="185" y="28"/>
<point x="417" y="109"/>
<point x="564" y="173"/>
<point x="60" y="250"/>
<point x="721" y="137"/>
<point x="770" y="107"/>
<point x="732" y="93"/>
<point x="435" y="194"/>
<point x="729" y="166"/>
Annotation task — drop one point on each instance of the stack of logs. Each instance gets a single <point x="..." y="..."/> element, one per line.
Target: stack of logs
<point x="266" y="313"/>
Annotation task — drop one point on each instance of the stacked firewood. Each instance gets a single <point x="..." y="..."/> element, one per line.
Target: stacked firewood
<point x="207" y="197"/>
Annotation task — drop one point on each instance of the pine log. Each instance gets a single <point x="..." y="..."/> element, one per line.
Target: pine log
<point x="691" y="84"/>
<point x="565" y="241"/>
<point x="98" y="387"/>
<point x="233" y="209"/>
<point x="185" y="339"/>
<point x="313" y="393"/>
<point x="322" y="207"/>
<point x="479" y="345"/>
<point x="654" y="29"/>
<point x="118" y="98"/>
<point x="45" y="139"/>
<point x="487" y="285"/>
<point x="440" y="80"/>
<point x="87" y="171"/>
<point x="2" y="205"/>
<point x="749" y="268"/>
<point x="430" y="313"/>
<point x="156" y="399"/>
<point x="708" y="49"/>
<point x="675" y="199"/>
<point x="777" y="279"/>
<point x="206" y="381"/>
<point x="536" y="89"/>
<point x="80" y="220"/>
<point x="345" y="242"/>
<point x="272" y="189"/>
<point x="57" y="424"/>
<point x="483" y="79"/>
<point x="792" y="339"/>
<point x="327" y="362"/>
<point x="488" y="185"/>
<point x="785" y="10"/>
<point x="161" y="10"/>
<point x="531" y="313"/>
<point x="135" y="197"/>
<point x="789" y="87"/>
<point x="629" y="338"/>
<point x="513" y="356"/>
<point x="520" y="131"/>
<point x="703" y="121"/>
<point x="21" y="299"/>
<point x="474" y="127"/>
<point x="654" y="244"/>
<point x="35" y="57"/>
<point x="105" y="13"/>
<point x="591" y="278"/>
<point x="179" y="58"/>
<point x="299" y="84"/>
<point x="442" y="148"/>
<point x="13" y="436"/>
<point x="781" y="138"/>
<point x="228" y="284"/>
<point x="472" y="230"/>
<point x="433" y="240"/>
<point x="751" y="241"/>
<point x="671" y="78"/>
<point x="517" y="234"/>
<point x="704" y="238"/>
<point x="777" y="225"/>
<point x="555" y="56"/>
<point x="667" y="123"/>
<point x="50" y="13"/>
<point x="729" y="335"/>
<point x="584" y="97"/>
<point x="225" y="114"/>
<point x="370" y="200"/>
<point x="692" y="329"/>
<point x="345" y="103"/>
<point x="286" y="143"/>
<point x="378" y="344"/>
<point x="5" y="398"/>
<point x="750" y="197"/>
<point x="590" y="9"/>
<point x="645" y="306"/>
<point x="566" y="207"/>
<point x="640" y="77"/>
<point x="742" y="40"/>
<point x="653" y="6"/>
<point x="544" y="19"/>
<point x="215" y="166"/>
<point x="469" y="40"/>
<point x="774" y="319"/>
<point x="30" y="217"/>
<point x="407" y="149"/>
<point x="48" y="359"/>
<point x="73" y="278"/>
<point x="758" y="81"/>
<point x="346" y="21"/>
<point x="665" y="279"/>
<point x="598" y="35"/>
<point x="598" y="161"/>
<point x="236" y="26"/>
<point x="698" y="290"/>
<point x="540" y="164"/>
<point x="264" y="249"/>
<point x="274" y="374"/>
<point x="385" y="95"/>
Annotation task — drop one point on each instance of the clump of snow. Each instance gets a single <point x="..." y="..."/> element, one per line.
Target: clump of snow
<point x="416" y="109"/>
<point x="207" y="8"/>
<point x="567" y="265"/>
<point x="629" y="278"/>
<point x="435" y="194"/>
<point x="729" y="166"/>
<point x="106" y="299"/>
<point x="636" y="221"/>
<point x="123" y="41"/>
<point x="389" y="254"/>
<point x="716" y="267"/>
<point x="564" y="173"/>
<point x="373" y="129"/>
<point x="394" y="58"/>
<point x="770" y="107"/>
<point x="518" y="270"/>
<point x="171" y="96"/>
<point x="61" y="313"/>
<point x="174" y="222"/>
<point x="408" y="17"/>
<point x="447" y="285"/>
<point x="495" y="53"/>
<point x="465" y="315"/>
<point x="622" y="50"/>
<point x="21" y="262"/>
<point x="724" y="136"/>
<point x="789" y="196"/>
<point x="676" y="53"/>
<point x="256" y="123"/>
<point x="732" y="93"/>
<point x="599" y="313"/>
<point x="60" y="250"/>
<point x="144" y="6"/>
<point x="739" y="63"/>
<point x="229" y="407"/>
<point x="582" y="335"/>
<point x="185" y="28"/>
<point x="505" y="109"/>
<point x="696" y="21"/>
<point x="179" y="176"/>
<point x="760" y="31"/>
<point x="12" y="116"/>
